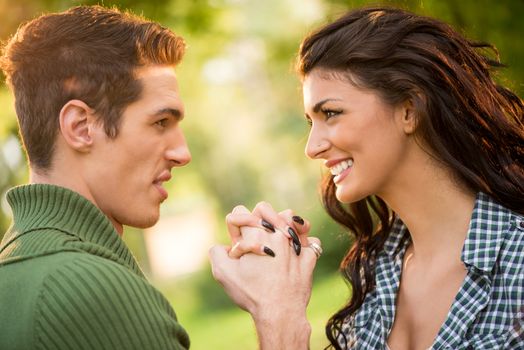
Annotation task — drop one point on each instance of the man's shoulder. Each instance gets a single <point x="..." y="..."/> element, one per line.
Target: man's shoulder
<point x="81" y="264"/>
<point x="107" y="303"/>
<point x="51" y="256"/>
<point x="41" y="288"/>
<point x="71" y="269"/>
<point x="71" y="298"/>
<point x="66" y="270"/>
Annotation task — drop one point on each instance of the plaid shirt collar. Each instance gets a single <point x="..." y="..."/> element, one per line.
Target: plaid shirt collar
<point x="487" y="226"/>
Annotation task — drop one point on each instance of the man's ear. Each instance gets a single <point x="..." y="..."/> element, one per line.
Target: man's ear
<point x="76" y="125"/>
<point x="409" y="117"/>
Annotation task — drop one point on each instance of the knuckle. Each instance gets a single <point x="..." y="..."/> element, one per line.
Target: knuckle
<point x="315" y="240"/>
<point x="251" y="247"/>
<point x="281" y="238"/>
<point x="287" y="213"/>
<point x="238" y="247"/>
<point x="217" y="273"/>
<point x="251" y="231"/>
<point x="239" y="209"/>
<point x="263" y="205"/>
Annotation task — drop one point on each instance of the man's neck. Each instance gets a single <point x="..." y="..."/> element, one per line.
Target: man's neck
<point x="54" y="176"/>
<point x="69" y="180"/>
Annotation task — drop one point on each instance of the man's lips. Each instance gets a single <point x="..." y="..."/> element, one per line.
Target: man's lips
<point x="163" y="177"/>
<point x="161" y="190"/>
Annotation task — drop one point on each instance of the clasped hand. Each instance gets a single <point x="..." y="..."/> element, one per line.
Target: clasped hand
<point x="273" y="289"/>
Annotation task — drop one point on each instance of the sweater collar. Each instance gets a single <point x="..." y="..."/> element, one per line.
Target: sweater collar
<point x="45" y="206"/>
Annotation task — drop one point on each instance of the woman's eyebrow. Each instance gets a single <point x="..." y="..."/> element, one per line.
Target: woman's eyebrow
<point x="319" y="104"/>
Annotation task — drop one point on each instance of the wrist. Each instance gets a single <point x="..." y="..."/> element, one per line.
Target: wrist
<point x="281" y="330"/>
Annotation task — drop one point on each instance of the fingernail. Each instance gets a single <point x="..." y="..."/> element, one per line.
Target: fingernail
<point x="296" y="242"/>
<point x="298" y="220"/>
<point x="268" y="225"/>
<point x="297" y="248"/>
<point x="293" y="235"/>
<point x="269" y="251"/>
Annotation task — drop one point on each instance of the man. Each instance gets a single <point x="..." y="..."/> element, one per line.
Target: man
<point x="99" y="114"/>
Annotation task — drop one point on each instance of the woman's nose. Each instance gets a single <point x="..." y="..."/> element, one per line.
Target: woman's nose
<point x="317" y="144"/>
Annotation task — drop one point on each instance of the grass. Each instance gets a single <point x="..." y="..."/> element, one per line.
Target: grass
<point x="232" y="329"/>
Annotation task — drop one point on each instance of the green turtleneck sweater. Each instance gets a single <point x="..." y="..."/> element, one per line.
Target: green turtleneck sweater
<point x="68" y="281"/>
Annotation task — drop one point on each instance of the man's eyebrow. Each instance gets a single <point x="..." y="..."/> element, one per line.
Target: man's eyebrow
<point x="174" y="112"/>
<point x="319" y="104"/>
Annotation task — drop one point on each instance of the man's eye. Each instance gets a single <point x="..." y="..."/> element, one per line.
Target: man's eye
<point x="162" y="123"/>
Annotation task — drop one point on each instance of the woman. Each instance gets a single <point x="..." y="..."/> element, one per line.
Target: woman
<point x="428" y="151"/>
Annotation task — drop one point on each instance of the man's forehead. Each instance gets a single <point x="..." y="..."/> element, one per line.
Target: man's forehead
<point x="162" y="75"/>
<point x="157" y="80"/>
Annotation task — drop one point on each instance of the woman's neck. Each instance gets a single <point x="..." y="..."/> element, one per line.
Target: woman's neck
<point x="437" y="213"/>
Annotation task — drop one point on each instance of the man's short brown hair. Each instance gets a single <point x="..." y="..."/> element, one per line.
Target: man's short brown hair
<point x="88" y="53"/>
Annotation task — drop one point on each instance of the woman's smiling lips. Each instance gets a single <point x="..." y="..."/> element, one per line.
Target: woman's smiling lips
<point x="340" y="168"/>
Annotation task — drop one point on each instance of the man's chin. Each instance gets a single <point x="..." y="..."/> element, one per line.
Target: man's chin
<point x="143" y="221"/>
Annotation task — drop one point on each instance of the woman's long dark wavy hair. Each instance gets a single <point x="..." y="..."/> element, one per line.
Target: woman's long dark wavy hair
<point x="465" y="120"/>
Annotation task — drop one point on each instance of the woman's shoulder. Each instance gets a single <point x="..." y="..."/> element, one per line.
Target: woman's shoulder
<point x="495" y="237"/>
<point x="507" y="228"/>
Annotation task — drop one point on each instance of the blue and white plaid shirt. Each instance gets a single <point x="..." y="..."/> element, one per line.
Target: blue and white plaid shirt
<point x="487" y="312"/>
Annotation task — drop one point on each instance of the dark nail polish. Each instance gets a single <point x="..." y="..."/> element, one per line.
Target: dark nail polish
<point x="298" y="220"/>
<point x="268" y="226"/>
<point x="296" y="242"/>
<point x="293" y="235"/>
<point x="269" y="251"/>
<point x="297" y="248"/>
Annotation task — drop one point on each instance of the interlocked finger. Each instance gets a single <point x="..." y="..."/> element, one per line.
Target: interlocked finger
<point x="300" y="225"/>
<point x="266" y="211"/>
<point x="315" y="246"/>
<point x="243" y="247"/>
<point x="236" y="221"/>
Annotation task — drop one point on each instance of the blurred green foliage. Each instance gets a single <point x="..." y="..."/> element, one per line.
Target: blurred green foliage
<point x="244" y="120"/>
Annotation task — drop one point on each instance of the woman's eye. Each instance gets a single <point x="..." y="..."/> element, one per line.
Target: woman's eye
<point x="331" y="113"/>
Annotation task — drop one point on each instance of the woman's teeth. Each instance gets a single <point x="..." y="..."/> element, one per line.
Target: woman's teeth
<point x="340" y="167"/>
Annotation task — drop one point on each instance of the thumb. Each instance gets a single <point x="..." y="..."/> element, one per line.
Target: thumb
<point x="220" y="261"/>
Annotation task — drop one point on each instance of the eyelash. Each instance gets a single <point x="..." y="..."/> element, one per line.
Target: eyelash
<point x="162" y="123"/>
<point x="330" y="113"/>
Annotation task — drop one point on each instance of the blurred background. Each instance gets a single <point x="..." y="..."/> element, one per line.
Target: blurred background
<point x="246" y="131"/>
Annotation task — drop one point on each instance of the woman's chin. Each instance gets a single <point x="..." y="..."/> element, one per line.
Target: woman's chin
<point x="346" y="195"/>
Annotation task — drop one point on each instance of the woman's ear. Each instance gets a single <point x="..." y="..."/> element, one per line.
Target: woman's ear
<point x="409" y="117"/>
<point x="76" y="123"/>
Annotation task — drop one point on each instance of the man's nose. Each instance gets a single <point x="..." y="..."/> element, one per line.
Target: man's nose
<point x="178" y="153"/>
